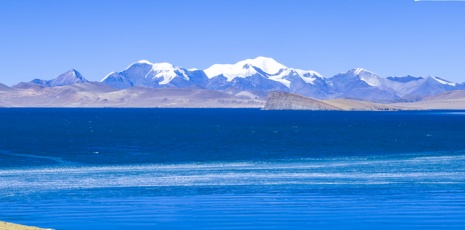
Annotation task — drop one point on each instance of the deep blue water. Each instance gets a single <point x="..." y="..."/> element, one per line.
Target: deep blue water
<point x="232" y="168"/>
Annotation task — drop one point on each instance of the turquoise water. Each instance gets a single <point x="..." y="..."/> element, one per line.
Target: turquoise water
<point x="232" y="168"/>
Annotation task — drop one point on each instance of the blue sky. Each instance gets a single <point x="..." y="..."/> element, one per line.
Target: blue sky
<point x="41" y="39"/>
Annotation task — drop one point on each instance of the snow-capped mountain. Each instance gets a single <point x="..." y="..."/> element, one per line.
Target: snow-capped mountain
<point x="68" y="78"/>
<point x="250" y="74"/>
<point x="411" y="88"/>
<point x="362" y="84"/>
<point x="245" y="68"/>
<point x="266" y="74"/>
<point x="155" y="75"/>
<point x="357" y="77"/>
<point x="306" y="82"/>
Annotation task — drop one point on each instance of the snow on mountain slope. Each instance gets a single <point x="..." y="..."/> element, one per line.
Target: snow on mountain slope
<point x="358" y="76"/>
<point x="244" y="68"/>
<point x="362" y="84"/>
<point x="415" y="88"/>
<point x="268" y="65"/>
<point x="444" y="82"/>
<point x="308" y="76"/>
<point x="428" y="86"/>
<point x="145" y="73"/>
<point x="370" y="78"/>
<point x="168" y="72"/>
<point x="265" y="68"/>
<point x="164" y="71"/>
<point x="230" y="71"/>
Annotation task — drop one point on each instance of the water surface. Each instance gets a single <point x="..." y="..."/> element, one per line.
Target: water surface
<point x="232" y="168"/>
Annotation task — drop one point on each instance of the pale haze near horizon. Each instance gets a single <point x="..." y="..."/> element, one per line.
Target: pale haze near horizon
<point x="42" y="39"/>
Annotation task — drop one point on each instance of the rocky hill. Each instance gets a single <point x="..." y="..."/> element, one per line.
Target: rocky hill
<point x="289" y="101"/>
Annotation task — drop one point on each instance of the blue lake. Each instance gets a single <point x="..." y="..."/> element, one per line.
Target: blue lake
<point x="232" y="169"/>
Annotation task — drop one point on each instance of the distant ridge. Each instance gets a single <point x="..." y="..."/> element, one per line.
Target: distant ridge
<point x="68" y="78"/>
<point x="449" y="95"/>
<point x="4" y="87"/>
<point x="404" y="79"/>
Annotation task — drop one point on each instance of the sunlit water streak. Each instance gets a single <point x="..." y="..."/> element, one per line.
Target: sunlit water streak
<point x="413" y="170"/>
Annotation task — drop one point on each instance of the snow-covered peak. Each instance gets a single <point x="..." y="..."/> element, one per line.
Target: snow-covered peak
<point x="308" y="73"/>
<point x="155" y="66"/>
<point x="166" y="71"/>
<point x="142" y="71"/>
<point x="139" y="63"/>
<point x="143" y="62"/>
<point x="230" y="71"/>
<point x="164" y="66"/>
<point x="444" y="82"/>
<point x="245" y="68"/>
<point x="370" y="78"/>
<point x="268" y="65"/>
<point x="358" y="71"/>
<point x="108" y="75"/>
<point x="308" y="76"/>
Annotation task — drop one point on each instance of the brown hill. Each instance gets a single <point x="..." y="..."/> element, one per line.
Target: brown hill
<point x="450" y="95"/>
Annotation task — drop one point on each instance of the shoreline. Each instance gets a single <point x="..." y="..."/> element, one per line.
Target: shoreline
<point x="12" y="226"/>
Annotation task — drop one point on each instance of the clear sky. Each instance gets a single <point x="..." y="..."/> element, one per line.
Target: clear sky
<point x="41" y="39"/>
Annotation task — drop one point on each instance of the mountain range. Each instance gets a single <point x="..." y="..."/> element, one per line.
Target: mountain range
<point x="249" y="79"/>
<point x="261" y="75"/>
